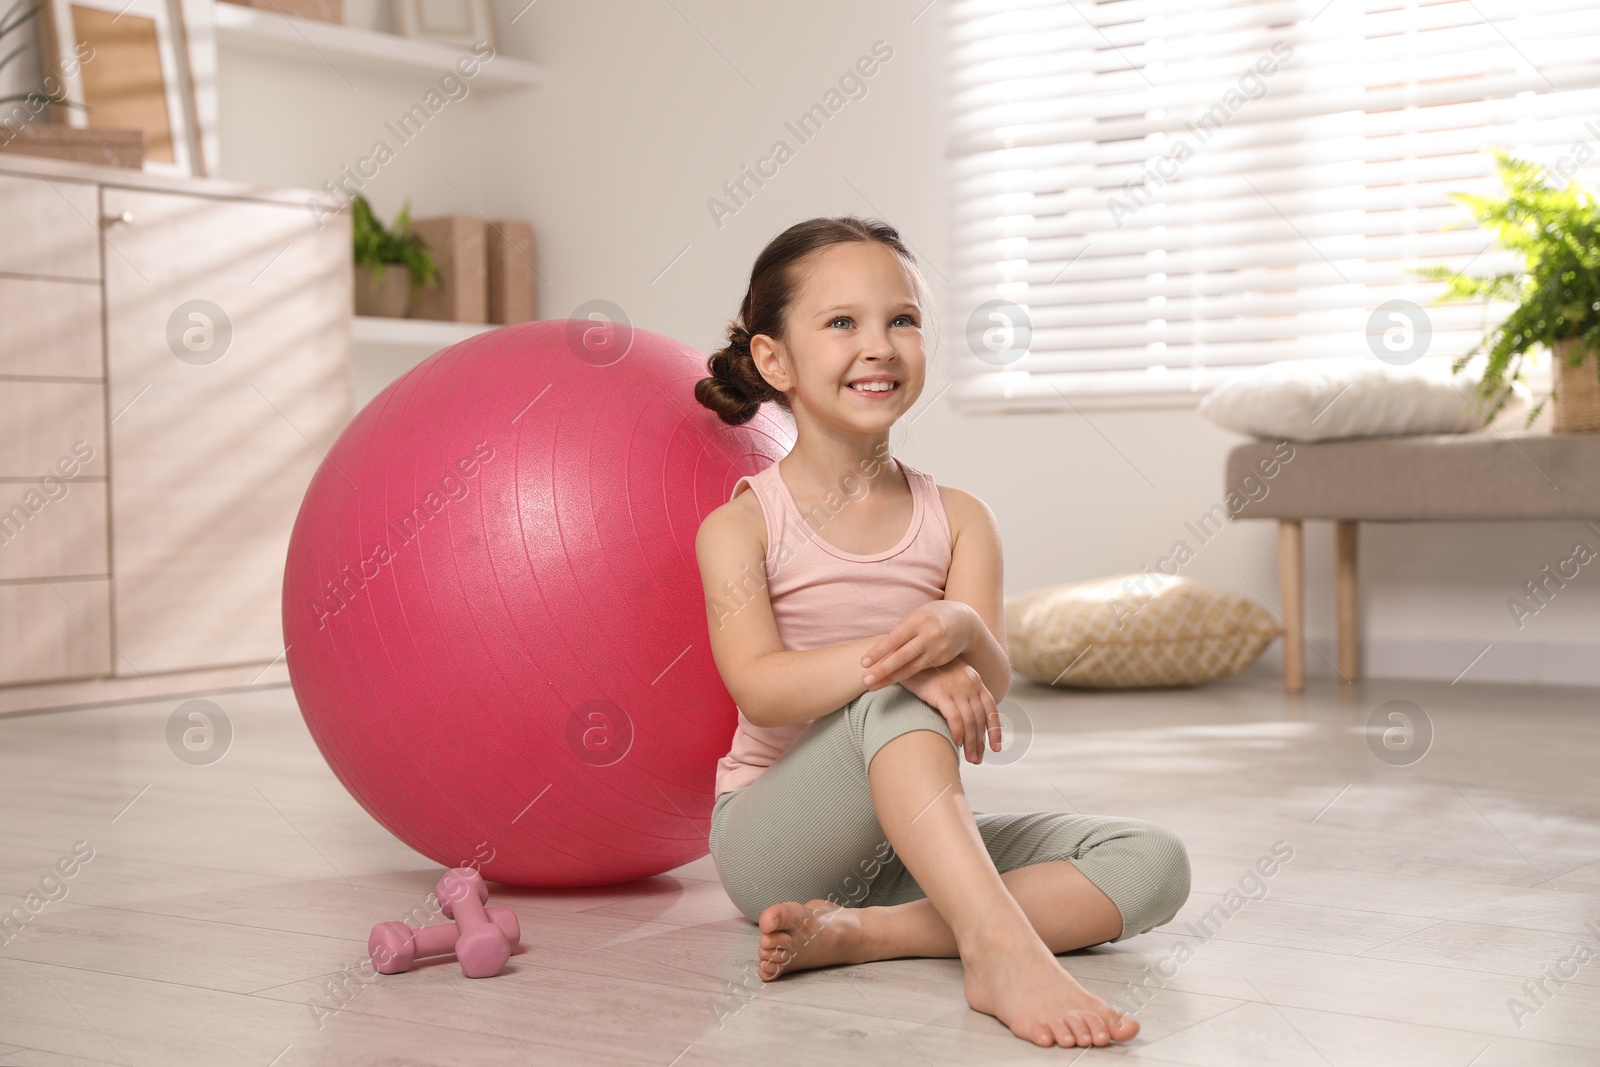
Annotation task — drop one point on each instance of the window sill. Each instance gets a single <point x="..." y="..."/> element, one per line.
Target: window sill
<point x="1020" y="393"/>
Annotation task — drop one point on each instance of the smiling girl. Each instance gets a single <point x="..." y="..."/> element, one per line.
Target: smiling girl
<point x="873" y="654"/>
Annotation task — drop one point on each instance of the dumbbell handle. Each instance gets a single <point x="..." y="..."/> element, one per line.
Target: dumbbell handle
<point x="483" y="948"/>
<point x="394" y="946"/>
<point x="440" y="939"/>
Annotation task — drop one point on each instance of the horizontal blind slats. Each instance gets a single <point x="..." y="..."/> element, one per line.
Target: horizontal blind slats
<point x="1153" y="198"/>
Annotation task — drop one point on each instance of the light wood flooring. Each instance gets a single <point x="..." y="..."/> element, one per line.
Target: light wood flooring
<point x="1418" y="902"/>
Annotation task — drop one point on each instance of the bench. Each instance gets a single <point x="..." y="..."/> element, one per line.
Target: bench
<point x="1488" y="475"/>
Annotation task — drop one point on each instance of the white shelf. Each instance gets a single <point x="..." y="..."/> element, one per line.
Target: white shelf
<point x="414" y="333"/>
<point x="385" y="349"/>
<point x="268" y="33"/>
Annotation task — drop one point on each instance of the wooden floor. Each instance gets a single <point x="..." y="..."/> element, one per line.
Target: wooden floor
<point x="1418" y="902"/>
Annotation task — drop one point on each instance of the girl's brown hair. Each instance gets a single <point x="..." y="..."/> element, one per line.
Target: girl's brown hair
<point x="736" y="390"/>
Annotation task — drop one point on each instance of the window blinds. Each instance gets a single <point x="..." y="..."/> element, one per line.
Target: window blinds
<point x="1146" y="195"/>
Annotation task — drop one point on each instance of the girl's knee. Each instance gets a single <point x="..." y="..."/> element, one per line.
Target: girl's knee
<point x="1177" y="875"/>
<point x="1167" y="875"/>
<point x="886" y="713"/>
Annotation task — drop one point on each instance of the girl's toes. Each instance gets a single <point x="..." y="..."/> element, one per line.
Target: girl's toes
<point x="1080" y="1029"/>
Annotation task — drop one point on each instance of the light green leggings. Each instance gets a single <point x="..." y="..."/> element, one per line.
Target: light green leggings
<point x="807" y="829"/>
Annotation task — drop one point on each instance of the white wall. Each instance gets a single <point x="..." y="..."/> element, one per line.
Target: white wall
<point x="646" y="109"/>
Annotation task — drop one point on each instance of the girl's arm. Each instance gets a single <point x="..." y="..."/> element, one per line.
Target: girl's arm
<point x="772" y="686"/>
<point x="969" y="623"/>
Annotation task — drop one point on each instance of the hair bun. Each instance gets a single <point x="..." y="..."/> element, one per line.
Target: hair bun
<point x="722" y="368"/>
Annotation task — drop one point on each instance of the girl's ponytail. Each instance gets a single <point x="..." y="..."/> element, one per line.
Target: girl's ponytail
<point x="735" y="390"/>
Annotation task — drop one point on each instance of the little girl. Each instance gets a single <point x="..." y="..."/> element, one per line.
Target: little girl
<point x="871" y="655"/>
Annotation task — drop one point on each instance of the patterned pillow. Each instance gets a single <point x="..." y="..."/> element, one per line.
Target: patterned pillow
<point x="1133" y="631"/>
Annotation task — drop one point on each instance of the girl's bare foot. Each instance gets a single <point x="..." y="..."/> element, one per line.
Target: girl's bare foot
<point x="1024" y="986"/>
<point x="818" y="933"/>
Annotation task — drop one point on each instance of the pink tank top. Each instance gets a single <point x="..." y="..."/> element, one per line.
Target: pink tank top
<point x="822" y="595"/>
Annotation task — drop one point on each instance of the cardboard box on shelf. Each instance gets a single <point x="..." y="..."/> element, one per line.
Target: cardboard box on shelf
<point x="458" y="244"/>
<point x="511" y="293"/>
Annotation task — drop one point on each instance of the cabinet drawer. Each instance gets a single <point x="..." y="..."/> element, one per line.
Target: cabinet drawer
<point x="42" y="423"/>
<point x="47" y="630"/>
<point x="52" y="227"/>
<point x="53" y="529"/>
<point x="52" y="329"/>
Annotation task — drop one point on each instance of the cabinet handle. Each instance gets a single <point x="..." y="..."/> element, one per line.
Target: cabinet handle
<point x="111" y="220"/>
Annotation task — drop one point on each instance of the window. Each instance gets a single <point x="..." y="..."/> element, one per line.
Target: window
<point x="1146" y="195"/>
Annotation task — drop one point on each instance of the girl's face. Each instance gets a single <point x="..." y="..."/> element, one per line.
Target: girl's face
<point x="854" y="320"/>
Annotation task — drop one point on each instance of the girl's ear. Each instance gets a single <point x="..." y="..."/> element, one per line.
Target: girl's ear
<point x="771" y="362"/>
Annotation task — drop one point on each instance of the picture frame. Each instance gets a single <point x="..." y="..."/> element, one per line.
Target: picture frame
<point x="198" y="21"/>
<point x="455" y="22"/>
<point x="128" y="64"/>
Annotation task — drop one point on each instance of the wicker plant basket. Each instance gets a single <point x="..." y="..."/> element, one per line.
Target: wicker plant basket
<point x="1577" y="392"/>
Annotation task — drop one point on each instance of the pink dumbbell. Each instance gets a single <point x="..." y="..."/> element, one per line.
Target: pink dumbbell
<point x="394" y="946"/>
<point x="482" y="947"/>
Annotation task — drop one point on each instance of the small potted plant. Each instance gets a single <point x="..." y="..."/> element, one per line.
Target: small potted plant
<point x="10" y="22"/>
<point x="26" y="128"/>
<point x="1556" y="229"/>
<point x="391" y="262"/>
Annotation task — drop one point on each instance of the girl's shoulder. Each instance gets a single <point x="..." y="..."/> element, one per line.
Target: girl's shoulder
<point x="740" y="521"/>
<point x="963" y="510"/>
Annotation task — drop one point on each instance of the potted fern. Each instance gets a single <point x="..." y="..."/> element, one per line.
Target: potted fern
<point x="1556" y="229"/>
<point x="391" y="261"/>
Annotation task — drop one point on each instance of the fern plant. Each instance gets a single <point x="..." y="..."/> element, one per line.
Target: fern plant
<point x="1556" y="229"/>
<point x="378" y="246"/>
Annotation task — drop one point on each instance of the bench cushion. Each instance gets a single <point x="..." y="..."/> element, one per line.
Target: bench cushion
<point x="1490" y="475"/>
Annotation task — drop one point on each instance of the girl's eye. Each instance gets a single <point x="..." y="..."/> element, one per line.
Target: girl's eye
<point x="908" y="320"/>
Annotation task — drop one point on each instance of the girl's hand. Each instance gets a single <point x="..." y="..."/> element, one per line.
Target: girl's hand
<point x="957" y="692"/>
<point x="930" y="635"/>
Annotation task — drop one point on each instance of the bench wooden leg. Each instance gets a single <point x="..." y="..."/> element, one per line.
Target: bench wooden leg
<point x="1346" y="534"/>
<point x="1291" y="586"/>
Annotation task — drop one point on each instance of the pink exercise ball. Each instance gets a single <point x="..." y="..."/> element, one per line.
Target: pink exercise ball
<point x="495" y="624"/>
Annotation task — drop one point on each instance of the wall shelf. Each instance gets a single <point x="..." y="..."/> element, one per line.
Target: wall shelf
<point x="384" y="349"/>
<point x="347" y="48"/>
<point x="414" y="333"/>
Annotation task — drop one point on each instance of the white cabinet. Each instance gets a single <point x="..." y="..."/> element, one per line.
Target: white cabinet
<point x="189" y="345"/>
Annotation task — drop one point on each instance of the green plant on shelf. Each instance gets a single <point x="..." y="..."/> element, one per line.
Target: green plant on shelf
<point x="11" y="21"/>
<point x="378" y="247"/>
<point x="1556" y="230"/>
